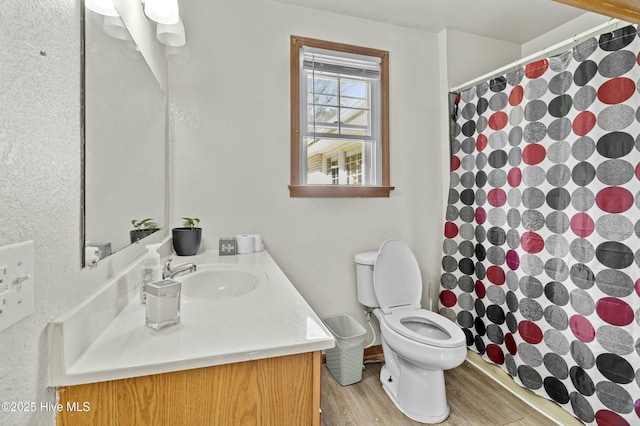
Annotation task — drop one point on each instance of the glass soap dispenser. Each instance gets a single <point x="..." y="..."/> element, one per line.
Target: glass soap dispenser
<point x="151" y="268"/>
<point x="163" y="303"/>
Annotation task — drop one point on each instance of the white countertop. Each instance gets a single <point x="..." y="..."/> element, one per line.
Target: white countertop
<point x="272" y="320"/>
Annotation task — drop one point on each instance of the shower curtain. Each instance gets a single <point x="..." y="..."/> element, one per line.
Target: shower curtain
<point x="541" y="262"/>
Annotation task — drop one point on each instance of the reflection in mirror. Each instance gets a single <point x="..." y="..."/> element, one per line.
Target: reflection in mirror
<point x="124" y="146"/>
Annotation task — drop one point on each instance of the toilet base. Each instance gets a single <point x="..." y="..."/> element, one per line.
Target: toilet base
<point x="432" y="413"/>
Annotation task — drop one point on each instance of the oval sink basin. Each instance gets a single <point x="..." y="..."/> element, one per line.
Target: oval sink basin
<point x="221" y="281"/>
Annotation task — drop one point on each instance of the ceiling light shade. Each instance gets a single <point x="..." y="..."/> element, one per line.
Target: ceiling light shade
<point x="113" y="26"/>
<point x="130" y="50"/>
<point x="171" y="35"/>
<point x="103" y="7"/>
<point x="162" y="11"/>
<point x="177" y="55"/>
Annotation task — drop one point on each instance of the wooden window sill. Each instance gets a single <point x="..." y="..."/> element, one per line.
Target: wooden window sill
<point x="334" y="191"/>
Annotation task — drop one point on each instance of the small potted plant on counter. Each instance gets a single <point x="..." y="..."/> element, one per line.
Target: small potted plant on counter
<point x="142" y="228"/>
<point x="186" y="240"/>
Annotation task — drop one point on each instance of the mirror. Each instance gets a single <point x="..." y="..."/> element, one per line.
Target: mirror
<point x="124" y="137"/>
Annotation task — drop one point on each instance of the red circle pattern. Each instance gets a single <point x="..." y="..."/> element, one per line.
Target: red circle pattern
<point x="532" y="242"/>
<point x="530" y="332"/>
<point x="582" y="328"/>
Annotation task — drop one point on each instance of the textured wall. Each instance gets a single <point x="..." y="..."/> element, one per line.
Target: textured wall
<point x="39" y="179"/>
<point x="40" y="185"/>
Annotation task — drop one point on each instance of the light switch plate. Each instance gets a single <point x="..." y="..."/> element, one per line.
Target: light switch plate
<point x="17" y="290"/>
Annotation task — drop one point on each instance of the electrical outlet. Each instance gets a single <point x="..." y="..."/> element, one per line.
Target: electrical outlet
<point x="17" y="290"/>
<point x="4" y="282"/>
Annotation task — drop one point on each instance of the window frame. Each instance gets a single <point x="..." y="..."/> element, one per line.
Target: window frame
<point x="296" y="189"/>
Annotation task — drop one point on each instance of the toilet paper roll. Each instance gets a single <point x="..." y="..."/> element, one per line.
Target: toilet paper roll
<point x="245" y="243"/>
<point x="258" y="244"/>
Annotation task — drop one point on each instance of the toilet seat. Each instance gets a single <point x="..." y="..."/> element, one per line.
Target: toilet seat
<point x="398" y="285"/>
<point x="429" y="328"/>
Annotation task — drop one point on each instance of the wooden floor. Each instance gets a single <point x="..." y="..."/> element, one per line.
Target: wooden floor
<point x="474" y="400"/>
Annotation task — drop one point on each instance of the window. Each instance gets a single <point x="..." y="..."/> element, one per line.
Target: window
<point x="339" y="120"/>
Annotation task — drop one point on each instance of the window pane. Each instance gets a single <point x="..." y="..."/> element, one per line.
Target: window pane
<point x="322" y="117"/>
<point x="333" y="169"/>
<point x="353" y="167"/>
<point x="355" y="122"/>
<point x="344" y="113"/>
<point x="336" y="162"/>
<point x="353" y="102"/>
<point x="354" y="93"/>
<point x="325" y="100"/>
<point x="321" y="85"/>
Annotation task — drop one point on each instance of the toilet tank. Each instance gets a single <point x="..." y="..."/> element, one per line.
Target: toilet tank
<point x="364" y="278"/>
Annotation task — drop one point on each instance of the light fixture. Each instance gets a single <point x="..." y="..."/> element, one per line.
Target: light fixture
<point x="103" y="7"/>
<point x="171" y="35"/>
<point x="131" y="50"/>
<point x="177" y="55"/>
<point x="113" y="26"/>
<point x="162" y="11"/>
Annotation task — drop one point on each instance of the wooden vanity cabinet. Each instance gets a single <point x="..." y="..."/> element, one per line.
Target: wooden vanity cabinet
<point x="274" y="391"/>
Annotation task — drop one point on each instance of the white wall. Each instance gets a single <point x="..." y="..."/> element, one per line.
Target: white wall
<point x="564" y="32"/>
<point x="470" y="56"/>
<point x="230" y="131"/>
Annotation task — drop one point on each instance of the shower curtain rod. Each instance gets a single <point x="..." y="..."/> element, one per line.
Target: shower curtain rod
<point x="542" y="53"/>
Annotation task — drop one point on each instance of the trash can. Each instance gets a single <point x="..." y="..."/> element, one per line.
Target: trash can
<point x="345" y="359"/>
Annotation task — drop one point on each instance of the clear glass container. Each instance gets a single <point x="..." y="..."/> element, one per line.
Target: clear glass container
<point x="163" y="303"/>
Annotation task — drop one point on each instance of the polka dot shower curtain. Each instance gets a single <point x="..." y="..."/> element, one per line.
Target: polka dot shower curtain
<point x="541" y="263"/>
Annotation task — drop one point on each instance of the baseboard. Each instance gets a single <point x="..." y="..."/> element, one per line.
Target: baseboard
<point x="544" y="406"/>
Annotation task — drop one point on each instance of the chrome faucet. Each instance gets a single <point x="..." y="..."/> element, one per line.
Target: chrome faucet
<point x="169" y="272"/>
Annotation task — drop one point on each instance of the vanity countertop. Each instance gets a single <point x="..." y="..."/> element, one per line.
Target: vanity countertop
<point x="272" y="320"/>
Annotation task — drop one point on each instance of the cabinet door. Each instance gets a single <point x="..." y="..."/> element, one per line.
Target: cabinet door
<point x="274" y="391"/>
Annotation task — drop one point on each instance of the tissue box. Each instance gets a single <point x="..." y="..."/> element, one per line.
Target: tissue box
<point x="227" y="246"/>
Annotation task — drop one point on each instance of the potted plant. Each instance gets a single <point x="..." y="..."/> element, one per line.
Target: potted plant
<point x="186" y="240"/>
<point x="142" y="228"/>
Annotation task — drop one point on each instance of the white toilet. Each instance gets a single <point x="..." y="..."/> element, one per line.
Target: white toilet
<point x="417" y="344"/>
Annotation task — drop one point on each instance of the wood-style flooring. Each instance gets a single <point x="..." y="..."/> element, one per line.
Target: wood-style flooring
<point x="474" y="400"/>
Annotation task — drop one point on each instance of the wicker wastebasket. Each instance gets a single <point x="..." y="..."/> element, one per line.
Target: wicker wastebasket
<point x="345" y="359"/>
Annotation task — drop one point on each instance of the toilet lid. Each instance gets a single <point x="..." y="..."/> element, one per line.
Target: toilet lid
<point x="396" y="276"/>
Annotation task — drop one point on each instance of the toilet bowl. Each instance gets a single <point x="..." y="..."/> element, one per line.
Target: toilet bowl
<point x="417" y="344"/>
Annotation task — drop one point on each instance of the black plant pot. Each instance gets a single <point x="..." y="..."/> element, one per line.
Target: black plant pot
<point x="138" y="234"/>
<point x="186" y="241"/>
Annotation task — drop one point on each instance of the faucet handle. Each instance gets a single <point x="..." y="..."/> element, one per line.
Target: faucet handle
<point x="166" y="268"/>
